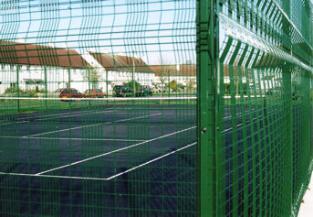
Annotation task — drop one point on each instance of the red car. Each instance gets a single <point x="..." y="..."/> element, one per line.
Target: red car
<point x="67" y="93"/>
<point x="94" y="93"/>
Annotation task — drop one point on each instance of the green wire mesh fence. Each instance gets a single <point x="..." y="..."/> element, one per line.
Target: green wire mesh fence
<point x="255" y="68"/>
<point x="97" y="108"/>
<point x="155" y="107"/>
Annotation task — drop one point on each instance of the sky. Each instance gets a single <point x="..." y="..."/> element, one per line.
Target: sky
<point x="159" y="31"/>
<point x="156" y="30"/>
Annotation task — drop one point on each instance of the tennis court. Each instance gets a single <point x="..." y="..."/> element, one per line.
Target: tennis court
<point x="155" y="108"/>
<point x="75" y="143"/>
<point x="117" y="156"/>
<point x="107" y="142"/>
<point x="130" y="151"/>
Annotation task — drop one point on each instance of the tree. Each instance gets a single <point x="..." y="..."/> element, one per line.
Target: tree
<point x="92" y="76"/>
<point x="173" y="85"/>
<point x="191" y="85"/>
<point x="132" y="84"/>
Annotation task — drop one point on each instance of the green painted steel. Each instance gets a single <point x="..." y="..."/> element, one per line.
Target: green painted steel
<point x="98" y="108"/>
<point x="155" y="108"/>
<point x="262" y="110"/>
<point x="207" y="57"/>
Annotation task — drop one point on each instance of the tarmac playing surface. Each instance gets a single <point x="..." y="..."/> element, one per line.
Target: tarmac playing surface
<point x="114" y="161"/>
<point x="104" y="161"/>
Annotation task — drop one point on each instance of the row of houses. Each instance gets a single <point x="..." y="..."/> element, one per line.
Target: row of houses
<point x="30" y="66"/>
<point x="48" y="69"/>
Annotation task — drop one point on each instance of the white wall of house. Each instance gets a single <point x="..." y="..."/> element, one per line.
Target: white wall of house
<point x="179" y="79"/>
<point x="144" y="78"/>
<point x="8" y="77"/>
<point x="59" y="78"/>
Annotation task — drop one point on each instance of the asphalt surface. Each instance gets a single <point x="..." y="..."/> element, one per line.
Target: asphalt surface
<point x="125" y="161"/>
<point x="107" y="161"/>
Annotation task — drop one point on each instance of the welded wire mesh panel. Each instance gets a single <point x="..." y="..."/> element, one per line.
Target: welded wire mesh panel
<point x="98" y="108"/>
<point x="264" y="114"/>
<point x="301" y="138"/>
<point x="311" y="95"/>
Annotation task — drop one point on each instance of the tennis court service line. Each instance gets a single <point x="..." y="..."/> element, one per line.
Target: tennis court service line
<point x="50" y="115"/>
<point x="75" y="115"/>
<point x="90" y="125"/>
<point x="103" y="99"/>
<point x="88" y="139"/>
<point x="115" y="151"/>
<point x="60" y="114"/>
<point x="108" y="178"/>
<point x="72" y="139"/>
<point x="150" y="161"/>
<point x="53" y="116"/>
<point x="13" y="122"/>
<point x="5" y="123"/>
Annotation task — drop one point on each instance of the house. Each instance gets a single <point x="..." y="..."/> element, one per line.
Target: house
<point x="42" y="69"/>
<point x="29" y="66"/>
<point x="183" y="75"/>
<point x="121" y="69"/>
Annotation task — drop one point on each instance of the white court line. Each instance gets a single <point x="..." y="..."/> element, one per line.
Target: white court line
<point x="102" y="179"/>
<point x="70" y="112"/>
<point x="125" y="98"/>
<point x="73" y="139"/>
<point x="13" y="122"/>
<point x="5" y="123"/>
<point x="90" y="125"/>
<point x="74" y="115"/>
<point x="53" y="176"/>
<point x="116" y="150"/>
<point x="26" y="119"/>
<point x="50" y="115"/>
<point x="150" y="161"/>
<point x="102" y="99"/>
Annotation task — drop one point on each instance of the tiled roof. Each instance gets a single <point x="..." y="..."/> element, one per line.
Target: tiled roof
<point x="121" y="63"/>
<point x="30" y="54"/>
<point x="174" y="70"/>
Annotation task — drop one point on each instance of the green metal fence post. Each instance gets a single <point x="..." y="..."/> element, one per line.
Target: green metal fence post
<point x="287" y="70"/>
<point x="311" y="79"/>
<point x="46" y="85"/>
<point x="207" y="49"/>
<point x="68" y="85"/>
<point x="289" y="146"/>
<point x="307" y="97"/>
<point x="18" y="87"/>
<point x="107" y="83"/>
<point x="306" y="124"/>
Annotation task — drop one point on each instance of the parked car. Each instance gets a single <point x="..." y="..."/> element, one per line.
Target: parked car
<point x="144" y="91"/>
<point x="94" y="93"/>
<point x="122" y="91"/>
<point x="126" y="91"/>
<point x="56" y="93"/>
<point x="67" y="93"/>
